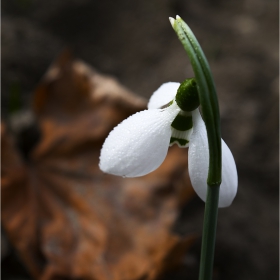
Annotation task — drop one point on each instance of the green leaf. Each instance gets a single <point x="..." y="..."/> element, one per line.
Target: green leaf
<point x="207" y="96"/>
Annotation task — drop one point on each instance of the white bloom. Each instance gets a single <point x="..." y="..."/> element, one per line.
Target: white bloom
<point x="139" y="144"/>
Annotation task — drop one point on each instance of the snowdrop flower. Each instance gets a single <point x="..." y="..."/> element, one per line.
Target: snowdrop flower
<point x="139" y="144"/>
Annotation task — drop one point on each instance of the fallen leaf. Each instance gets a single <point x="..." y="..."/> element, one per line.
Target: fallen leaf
<point x="66" y="218"/>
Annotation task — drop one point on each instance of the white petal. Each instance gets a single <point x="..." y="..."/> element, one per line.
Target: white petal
<point x="139" y="144"/>
<point x="199" y="164"/>
<point x="163" y="95"/>
<point x="229" y="177"/>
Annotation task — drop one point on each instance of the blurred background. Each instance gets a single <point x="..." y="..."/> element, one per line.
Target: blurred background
<point x="134" y="42"/>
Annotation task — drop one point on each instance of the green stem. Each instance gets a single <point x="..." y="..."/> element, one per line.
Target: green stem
<point x="209" y="233"/>
<point x="210" y="111"/>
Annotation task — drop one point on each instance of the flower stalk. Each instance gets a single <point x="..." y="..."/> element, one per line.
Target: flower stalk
<point x="211" y="116"/>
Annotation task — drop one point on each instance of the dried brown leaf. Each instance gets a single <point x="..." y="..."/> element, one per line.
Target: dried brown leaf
<point x="65" y="217"/>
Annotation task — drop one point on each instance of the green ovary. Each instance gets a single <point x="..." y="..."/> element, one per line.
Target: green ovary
<point x="187" y="96"/>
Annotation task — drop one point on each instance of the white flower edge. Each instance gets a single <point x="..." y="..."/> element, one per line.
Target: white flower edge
<point x="139" y="144"/>
<point x="163" y="95"/>
<point x="199" y="164"/>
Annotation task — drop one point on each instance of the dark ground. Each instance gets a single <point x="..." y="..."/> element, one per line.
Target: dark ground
<point x="133" y="41"/>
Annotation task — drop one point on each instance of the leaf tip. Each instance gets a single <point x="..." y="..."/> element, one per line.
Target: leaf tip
<point x="172" y="21"/>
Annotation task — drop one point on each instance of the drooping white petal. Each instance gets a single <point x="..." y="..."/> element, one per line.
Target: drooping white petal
<point x="163" y="95"/>
<point x="229" y="177"/>
<point x="139" y="144"/>
<point x="199" y="164"/>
